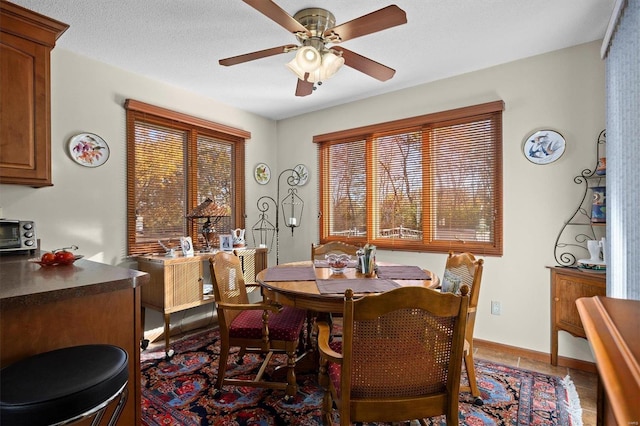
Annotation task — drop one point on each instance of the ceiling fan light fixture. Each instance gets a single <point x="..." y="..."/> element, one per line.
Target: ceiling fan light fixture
<point x="308" y="59"/>
<point x="331" y="63"/>
<point x="293" y="66"/>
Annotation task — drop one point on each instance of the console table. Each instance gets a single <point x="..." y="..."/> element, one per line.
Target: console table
<point x="177" y="283"/>
<point x="567" y="286"/>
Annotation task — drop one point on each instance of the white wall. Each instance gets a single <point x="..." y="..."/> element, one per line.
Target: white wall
<point x="562" y="90"/>
<point x="87" y="206"/>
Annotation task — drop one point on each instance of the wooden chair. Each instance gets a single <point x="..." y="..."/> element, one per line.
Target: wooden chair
<point x="400" y="358"/>
<point x="465" y="269"/>
<point x="255" y="327"/>
<point x="319" y="251"/>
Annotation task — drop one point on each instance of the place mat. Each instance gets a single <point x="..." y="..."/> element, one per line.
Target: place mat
<point x="361" y="285"/>
<point x="325" y="264"/>
<point x="401" y="272"/>
<point x="290" y="273"/>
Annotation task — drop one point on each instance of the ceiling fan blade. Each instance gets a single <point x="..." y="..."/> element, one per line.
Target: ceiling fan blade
<point x="278" y="15"/>
<point x="366" y="65"/>
<point x="234" y="60"/>
<point x="379" y="20"/>
<point x="304" y="87"/>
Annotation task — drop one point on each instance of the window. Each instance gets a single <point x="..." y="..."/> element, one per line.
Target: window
<point x="174" y="163"/>
<point x="428" y="183"/>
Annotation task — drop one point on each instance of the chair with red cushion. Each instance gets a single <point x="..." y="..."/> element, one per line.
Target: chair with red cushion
<point x="262" y="327"/>
<point x="400" y="357"/>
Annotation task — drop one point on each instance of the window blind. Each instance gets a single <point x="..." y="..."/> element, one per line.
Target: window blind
<point x="431" y="183"/>
<point x="174" y="163"/>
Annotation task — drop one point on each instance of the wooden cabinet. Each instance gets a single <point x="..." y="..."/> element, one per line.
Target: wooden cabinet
<point x="26" y="41"/>
<point x="567" y="286"/>
<point x="176" y="283"/>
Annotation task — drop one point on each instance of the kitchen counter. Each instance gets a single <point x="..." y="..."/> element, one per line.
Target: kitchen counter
<point x="46" y="308"/>
<point x="24" y="283"/>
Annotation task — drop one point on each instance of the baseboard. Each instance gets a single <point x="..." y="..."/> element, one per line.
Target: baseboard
<point x="576" y="364"/>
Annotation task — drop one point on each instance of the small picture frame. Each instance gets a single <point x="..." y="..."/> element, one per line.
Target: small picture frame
<point x="187" y="246"/>
<point x="226" y="242"/>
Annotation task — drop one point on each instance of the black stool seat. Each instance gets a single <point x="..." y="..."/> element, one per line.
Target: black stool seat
<point x="62" y="384"/>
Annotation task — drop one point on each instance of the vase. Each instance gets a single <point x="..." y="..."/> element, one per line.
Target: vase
<point x="599" y="205"/>
<point x="601" y="169"/>
<point x="237" y="236"/>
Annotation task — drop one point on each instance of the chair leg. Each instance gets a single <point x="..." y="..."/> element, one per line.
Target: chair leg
<point x="222" y="367"/>
<point x="241" y="352"/>
<point x="327" y="400"/>
<point x="471" y="375"/>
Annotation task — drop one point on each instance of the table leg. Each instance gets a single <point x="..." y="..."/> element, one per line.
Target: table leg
<point x="144" y="343"/>
<point x="167" y="335"/>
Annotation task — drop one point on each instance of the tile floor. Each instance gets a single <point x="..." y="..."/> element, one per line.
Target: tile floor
<point x="585" y="382"/>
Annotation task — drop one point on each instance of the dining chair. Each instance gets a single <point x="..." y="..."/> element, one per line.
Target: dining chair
<point x="263" y="327"/>
<point x="464" y="269"/>
<point x="318" y="251"/>
<point x="400" y="357"/>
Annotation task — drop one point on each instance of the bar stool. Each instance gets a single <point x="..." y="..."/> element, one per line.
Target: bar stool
<point x="64" y="386"/>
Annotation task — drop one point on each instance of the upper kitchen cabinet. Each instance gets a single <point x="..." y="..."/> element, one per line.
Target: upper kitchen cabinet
<point x="26" y="41"/>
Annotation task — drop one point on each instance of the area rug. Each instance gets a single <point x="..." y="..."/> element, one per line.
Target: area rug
<point x="178" y="391"/>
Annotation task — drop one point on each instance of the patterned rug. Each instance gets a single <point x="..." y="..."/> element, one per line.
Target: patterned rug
<point x="179" y="392"/>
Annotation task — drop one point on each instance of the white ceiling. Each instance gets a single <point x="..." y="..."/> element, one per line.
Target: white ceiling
<point x="180" y="41"/>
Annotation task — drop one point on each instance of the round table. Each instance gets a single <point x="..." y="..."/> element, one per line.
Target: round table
<point x="304" y="294"/>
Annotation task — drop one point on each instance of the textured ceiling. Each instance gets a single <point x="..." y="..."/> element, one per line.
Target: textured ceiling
<point x="180" y="41"/>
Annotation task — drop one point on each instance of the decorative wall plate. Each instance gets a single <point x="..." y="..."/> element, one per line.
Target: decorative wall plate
<point x="303" y="173"/>
<point x="88" y="149"/>
<point x="544" y="146"/>
<point x="262" y="173"/>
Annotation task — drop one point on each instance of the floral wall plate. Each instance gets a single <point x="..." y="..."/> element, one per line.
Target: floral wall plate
<point x="262" y="174"/>
<point x="88" y="149"/>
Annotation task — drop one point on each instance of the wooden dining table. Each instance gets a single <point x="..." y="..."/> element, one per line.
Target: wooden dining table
<point x="312" y="285"/>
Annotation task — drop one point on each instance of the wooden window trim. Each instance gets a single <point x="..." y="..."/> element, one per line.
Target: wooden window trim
<point x="158" y="115"/>
<point x="419" y="121"/>
<point x="449" y="117"/>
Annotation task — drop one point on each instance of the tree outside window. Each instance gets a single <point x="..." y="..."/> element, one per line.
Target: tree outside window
<point x="429" y="183"/>
<point x="175" y="162"/>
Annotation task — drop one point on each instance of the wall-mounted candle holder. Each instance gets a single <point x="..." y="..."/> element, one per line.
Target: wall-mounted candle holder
<point x="292" y="207"/>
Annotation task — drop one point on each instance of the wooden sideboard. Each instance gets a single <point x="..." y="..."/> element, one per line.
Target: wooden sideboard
<point x="176" y="283"/>
<point x="26" y="41"/>
<point x="612" y="327"/>
<point x="46" y="308"/>
<point x="567" y="286"/>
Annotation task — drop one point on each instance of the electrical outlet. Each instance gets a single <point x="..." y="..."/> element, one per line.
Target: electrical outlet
<point x="495" y="307"/>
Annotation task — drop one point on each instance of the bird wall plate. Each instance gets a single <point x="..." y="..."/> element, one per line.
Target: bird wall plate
<point x="88" y="149"/>
<point x="262" y="173"/>
<point x="302" y="173"/>
<point x="544" y="146"/>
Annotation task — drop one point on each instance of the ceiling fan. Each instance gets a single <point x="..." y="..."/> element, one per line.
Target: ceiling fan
<point x="315" y="29"/>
